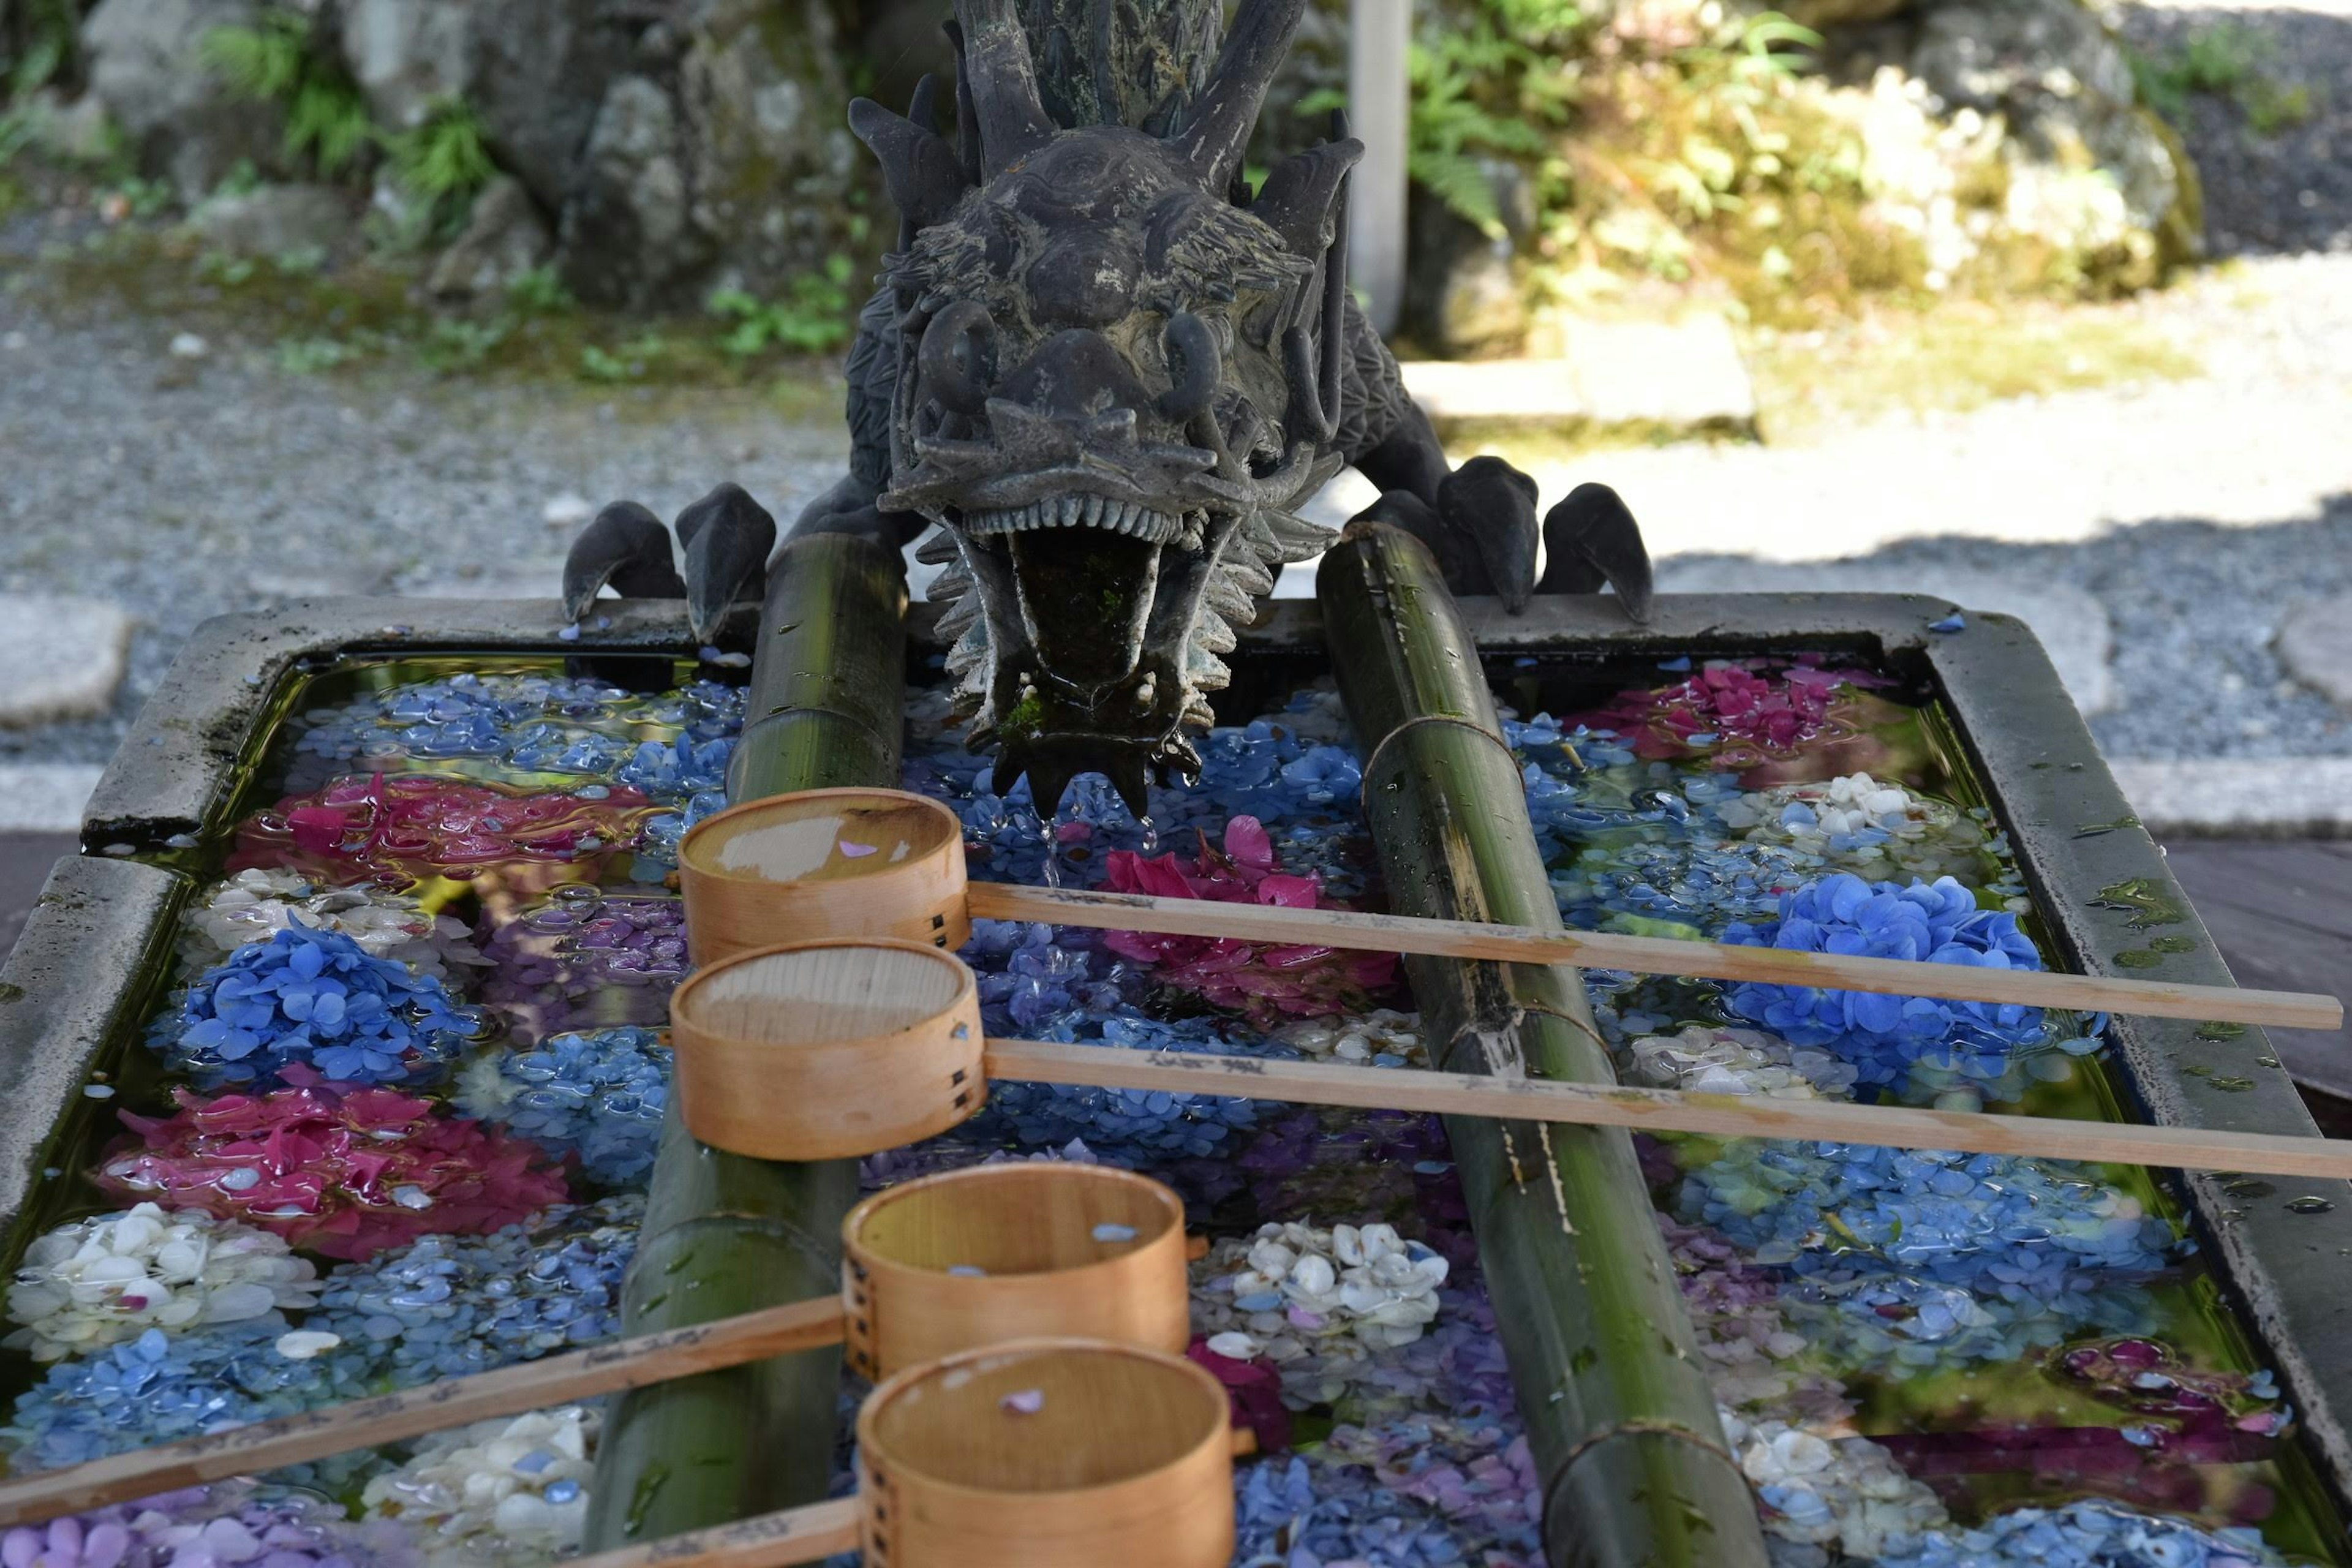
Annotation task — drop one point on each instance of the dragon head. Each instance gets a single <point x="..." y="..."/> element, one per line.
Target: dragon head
<point x="1117" y="376"/>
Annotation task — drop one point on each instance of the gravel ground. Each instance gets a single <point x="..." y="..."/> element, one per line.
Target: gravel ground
<point x="184" y="489"/>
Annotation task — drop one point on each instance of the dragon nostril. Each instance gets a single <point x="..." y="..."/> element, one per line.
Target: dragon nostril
<point x="958" y="357"/>
<point x="1194" y="367"/>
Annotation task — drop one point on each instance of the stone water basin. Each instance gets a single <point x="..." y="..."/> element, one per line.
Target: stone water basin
<point x="411" y="1139"/>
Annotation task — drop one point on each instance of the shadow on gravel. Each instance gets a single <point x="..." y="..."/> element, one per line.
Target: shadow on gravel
<point x="2274" y="150"/>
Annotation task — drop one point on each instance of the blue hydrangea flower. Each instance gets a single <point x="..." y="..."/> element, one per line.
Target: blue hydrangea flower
<point x="451" y="1306"/>
<point x="1929" y="1258"/>
<point x="317" y="998"/>
<point x="663" y="830"/>
<point x="2090" y="1533"/>
<point x="1041" y="985"/>
<point x="159" y="1388"/>
<point x="531" y="724"/>
<point x="598" y="1094"/>
<point x="1885" y="1036"/>
<point x="678" y="769"/>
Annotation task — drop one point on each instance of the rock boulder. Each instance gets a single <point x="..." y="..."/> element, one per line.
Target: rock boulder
<point x="179" y="119"/>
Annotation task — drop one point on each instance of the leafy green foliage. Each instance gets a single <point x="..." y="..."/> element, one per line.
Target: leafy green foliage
<point x="38" y="45"/>
<point x="452" y="344"/>
<point x="813" y="319"/>
<point x="1732" y="84"/>
<point x="276" y="61"/>
<point x="144" y="198"/>
<point x="1499" y="86"/>
<point x="227" y="270"/>
<point x="264" y="62"/>
<point x="602" y="364"/>
<point x="2227" y="60"/>
<point x="309" y="356"/>
<point x="443" y="161"/>
<point x="541" y="291"/>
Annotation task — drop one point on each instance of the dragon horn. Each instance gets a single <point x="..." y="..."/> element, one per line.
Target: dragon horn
<point x="1010" y="116"/>
<point x="1226" y="110"/>
<point x="1302" y="196"/>
<point x="925" y="177"/>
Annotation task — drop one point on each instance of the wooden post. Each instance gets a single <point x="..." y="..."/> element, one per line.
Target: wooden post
<point x="1379" y="104"/>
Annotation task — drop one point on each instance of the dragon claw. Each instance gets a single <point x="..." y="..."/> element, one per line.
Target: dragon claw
<point x="1494" y="505"/>
<point x="728" y="538"/>
<point x="1591" y="538"/>
<point x="625" y="548"/>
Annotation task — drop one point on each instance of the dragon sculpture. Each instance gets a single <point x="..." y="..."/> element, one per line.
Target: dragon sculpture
<point x="1110" y="373"/>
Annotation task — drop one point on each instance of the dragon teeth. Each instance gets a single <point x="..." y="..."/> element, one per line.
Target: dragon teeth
<point x="1123" y="517"/>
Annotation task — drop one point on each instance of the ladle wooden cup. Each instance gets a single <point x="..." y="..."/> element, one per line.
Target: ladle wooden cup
<point x="821" y="863"/>
<point x="1012" y="1251"/>
<point x="827" y="1050"/>
<point x="1047" y="1454"/>
<point x="877" y="862"/>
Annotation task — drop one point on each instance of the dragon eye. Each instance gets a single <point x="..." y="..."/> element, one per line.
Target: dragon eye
<point x="958" y="356"/>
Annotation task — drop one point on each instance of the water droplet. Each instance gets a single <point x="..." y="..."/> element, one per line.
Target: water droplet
<point x="2309" y="1205"/>
<point x="2138" y="959"/>
<point x="2171" y="944"/>
<point x="2093" y="829"/>
<point x="2221" y="1031"/>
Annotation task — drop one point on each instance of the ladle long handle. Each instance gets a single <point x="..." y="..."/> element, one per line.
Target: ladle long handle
<point x="810" y="1533"/>
<point x="388" y="1418"/>
<point x="1670" y="1110"/>
<point x="1650" y="955"/>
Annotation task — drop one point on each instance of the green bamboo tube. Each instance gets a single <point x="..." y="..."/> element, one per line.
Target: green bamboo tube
<point x="724" y="1233"/>
<point x="1628" y="1449"/>
<point x="828" y="692"/>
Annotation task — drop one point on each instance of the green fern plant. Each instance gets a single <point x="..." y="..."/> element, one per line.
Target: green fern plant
<point x="275" y="61"/>
<point x="37" y="46"/>
<point x="1497" y="88"/>
<point x="443" y="161"/>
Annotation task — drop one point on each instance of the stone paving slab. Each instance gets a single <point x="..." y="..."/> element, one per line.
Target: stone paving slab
<point x="63" y="657"/>
<point x="2268" y="797"/>
<point x="1678" y="376"/>
<point x="44" y="798"/>
<point x="2315" y="644"/>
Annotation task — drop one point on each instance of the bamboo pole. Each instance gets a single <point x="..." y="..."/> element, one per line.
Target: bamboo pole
<point x="1649" y="955"/>
<point x="1629" y="1452"/>
<point x="724" y="1235"/>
